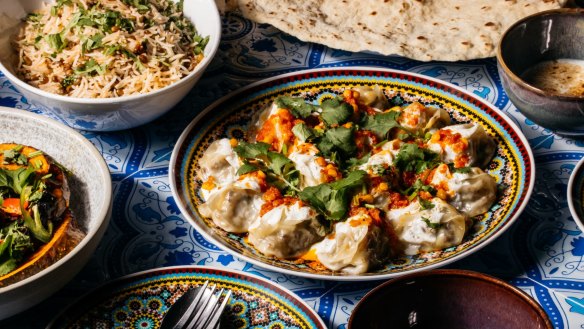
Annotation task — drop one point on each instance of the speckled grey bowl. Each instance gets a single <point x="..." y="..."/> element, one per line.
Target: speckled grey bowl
<point x="549" y="35"/>
<point x="91" y="200"/>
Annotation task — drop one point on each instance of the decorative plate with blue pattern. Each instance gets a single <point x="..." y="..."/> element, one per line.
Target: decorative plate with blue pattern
<point x="141" y="300"/>
<point x="229" y="117"/>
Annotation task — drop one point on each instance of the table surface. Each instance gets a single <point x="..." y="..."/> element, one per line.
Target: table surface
<point x="542" y="253"/>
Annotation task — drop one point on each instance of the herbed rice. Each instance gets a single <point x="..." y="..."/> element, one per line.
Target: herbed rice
<point x="107" y="48"/>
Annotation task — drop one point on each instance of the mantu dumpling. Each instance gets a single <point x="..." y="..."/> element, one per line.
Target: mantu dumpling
<point x="372" y="97"/>
<point x="219" y="163"/>
<point x="234" y="206"/>
<point x="382" y="158"/>
<point x="313" y="168"/>
<point x="422" y="228"/>
<point x="356" y="245"/>
<point x="286" y="231"/>
<point x="471" y="191"/>
<point x="417" y="118"/>
<point x="464" y="145"/>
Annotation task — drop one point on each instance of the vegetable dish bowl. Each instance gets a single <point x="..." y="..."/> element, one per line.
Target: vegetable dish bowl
<point x="55" y="204"/>
<point x="351" y="174"/>
<point x="107" y="65"/>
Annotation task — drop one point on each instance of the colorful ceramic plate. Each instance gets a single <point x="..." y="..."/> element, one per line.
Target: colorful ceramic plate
<point x="141" y="300"/>
<point x="576" y="194"/>
<point x="512" y="166"/>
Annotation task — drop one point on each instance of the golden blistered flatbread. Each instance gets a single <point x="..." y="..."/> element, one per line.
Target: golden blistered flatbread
<point x="425" y="30"/>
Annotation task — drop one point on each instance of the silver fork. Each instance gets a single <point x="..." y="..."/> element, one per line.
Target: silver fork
<point x="204" y="311"/>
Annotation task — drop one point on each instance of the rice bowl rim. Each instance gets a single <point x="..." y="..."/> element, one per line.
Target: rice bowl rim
<point x="208" y="55"/>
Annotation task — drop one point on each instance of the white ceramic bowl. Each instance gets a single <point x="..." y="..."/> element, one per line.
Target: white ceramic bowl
<point x="91" y="201"/>
<point x="110" y="113"/>
<point x="575" y="194"/>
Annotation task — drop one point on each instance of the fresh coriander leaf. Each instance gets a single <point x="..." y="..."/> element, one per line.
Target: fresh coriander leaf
<point x="17" y="179"/>
<point x="14" y="156"/>
<point x="33" y="17"/>
<point x="378" y="169"/>
<point x="14" y="245"/>
<point x="431" y="225"/>
<point x="94" y="42"/>
<point x="91" y="67"/>
<point x="333" y="199"/>
<point x="413" y="158"/>
<point x="356" y="162"/>
<point x="247" y="150"/>
<point x="303" y="132"/>
<point x="462" y="170"/>
<point x="277" y="162"/>
<point x="418" y="186"/>
<point x="338" y="139"/>
<point x="141" y="5"/>
<point x="335" y="111"/>
<point x="56" y="41"/>
<point x="381" y="123"/>
<point x="353" y="180"/>
<point x="201" y="44"/>
<point x="247" y="168"/>
<point x="68" y="81"/>
<point x="426" y="204"/>
<point x="296" y="105"/>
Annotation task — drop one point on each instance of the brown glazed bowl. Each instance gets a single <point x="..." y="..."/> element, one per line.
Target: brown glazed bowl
<point x="549" y="35"/>
<point x="449" y="299"/>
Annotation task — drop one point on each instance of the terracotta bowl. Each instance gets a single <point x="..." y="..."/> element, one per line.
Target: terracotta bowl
<point x="549" y="35"/>
<point x="448" y="299"/>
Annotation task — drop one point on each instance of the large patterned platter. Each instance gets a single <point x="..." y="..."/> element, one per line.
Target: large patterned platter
<point x="512" y="166"/>
<point x="141" y="300"/>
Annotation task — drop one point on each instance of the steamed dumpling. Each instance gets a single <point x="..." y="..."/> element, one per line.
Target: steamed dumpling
<point x="383" y="158"/>
<point x="286" y="231"/>
<point x="219" y="163"/>
<point x="372" y="97"/>
<point x="309" y="165"/>
<point x="234" y="206"/>
<point x="464" y="145"/>
<point x="472" y="192"/>
<point x="355" y="246"/>
<point x="437" y="227"/>
<point x="419" y="118"/>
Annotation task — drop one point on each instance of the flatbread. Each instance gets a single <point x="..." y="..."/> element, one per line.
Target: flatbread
<point x="425" y="30"/>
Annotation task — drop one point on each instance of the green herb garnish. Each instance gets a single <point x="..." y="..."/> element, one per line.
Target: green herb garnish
<point x="381" y="123"/>
<point x="333" y="199"/>
<point x="431" y="225"/>
<point x="413" y="158"/>
<point x="335" y="111"/>
<point x="296" y="105"/>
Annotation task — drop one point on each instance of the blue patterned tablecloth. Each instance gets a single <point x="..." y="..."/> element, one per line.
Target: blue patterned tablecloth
<point x="543" y="253"/>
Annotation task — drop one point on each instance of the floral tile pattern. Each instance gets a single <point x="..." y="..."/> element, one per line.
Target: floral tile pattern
<point x="543" y="253"/>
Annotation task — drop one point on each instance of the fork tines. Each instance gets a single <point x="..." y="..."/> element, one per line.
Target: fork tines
<point x="205" y="310"/>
